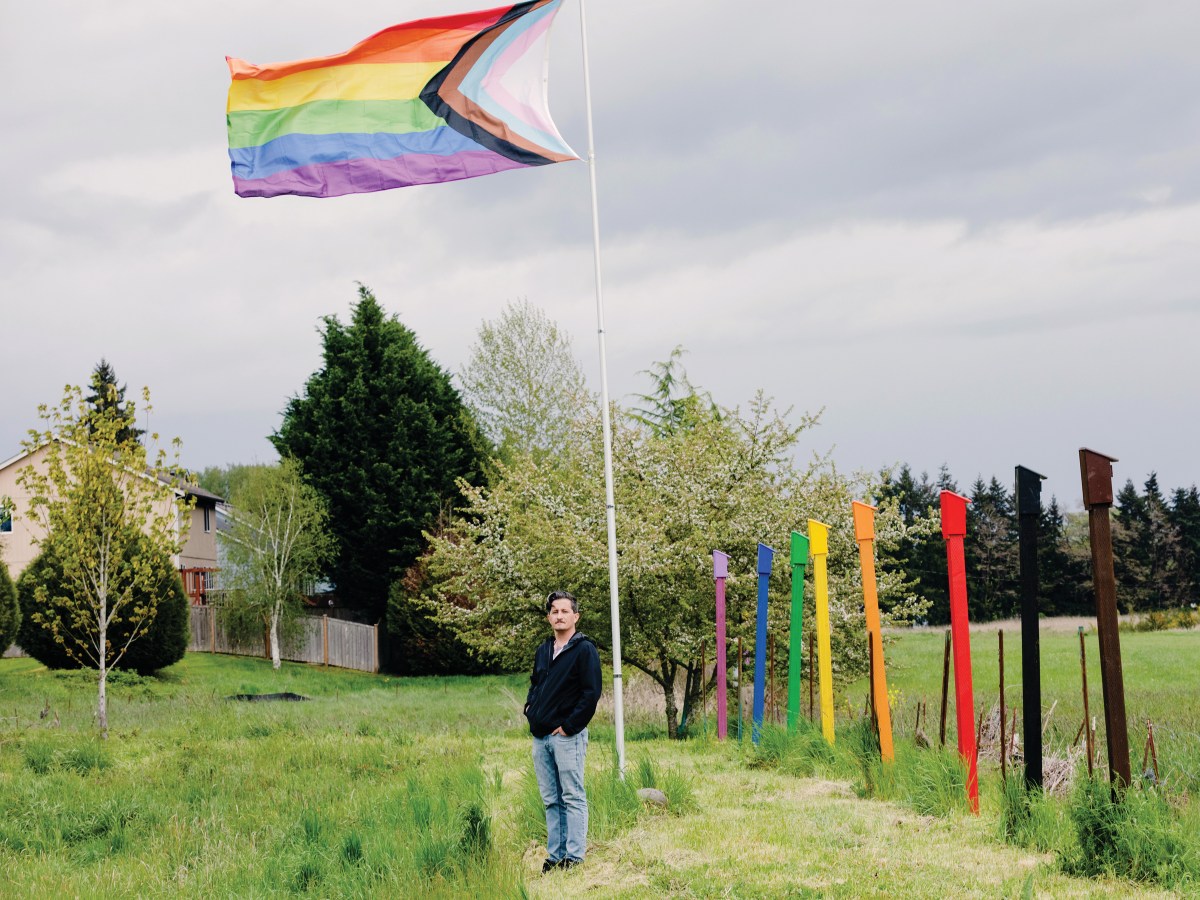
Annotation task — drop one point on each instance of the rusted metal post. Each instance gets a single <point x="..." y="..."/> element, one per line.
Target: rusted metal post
<point x="954" y="530"/>
<point x="945" y="689"/>
<point x="1029" y="513"/>
<point x="1096" y="469"/>
<point x="1153" y="749"/>
<point x="1085" y="728"/>
<point x="1003" y="746"/>
<point x="720" y="573"/>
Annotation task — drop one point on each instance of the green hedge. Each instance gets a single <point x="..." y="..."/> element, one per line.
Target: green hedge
<point x="162" y="644"/>
<point x="10" y="610"/>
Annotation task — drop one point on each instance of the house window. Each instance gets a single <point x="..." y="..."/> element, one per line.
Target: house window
<point x="5" y="521"/>
<point x="207" y="521"/>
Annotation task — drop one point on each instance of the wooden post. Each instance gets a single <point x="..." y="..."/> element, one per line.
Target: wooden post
<point x="325" y="640"/>
<point x="376" y="628"/>
<point x="771" y="678"/>
<point x="741" y="678"/>
<point x="212" y="629"/>
<point x="720" y="573"/>
<point x="799" y="559"/>
<point x="703" y="691"/>
<point x="864" y="534"/>
<point x="812" y="676"/>
<point x="1087" y="743"/>
<point x="1003" y="746"/>
<point x="1096" y="469"/>
<point x="945" y="689"/>
<point x="818" y="545"/>
<point x="874" y="711"/>
<point x="765" y="556"/>
<point x="1029" y="513"/>
<point x="954" y="530"/>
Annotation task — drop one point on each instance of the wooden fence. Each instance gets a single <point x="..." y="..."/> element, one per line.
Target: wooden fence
<point x="330" y="642"/>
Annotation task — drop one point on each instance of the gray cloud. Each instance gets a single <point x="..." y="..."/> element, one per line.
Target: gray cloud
<point x="929" y="219"/>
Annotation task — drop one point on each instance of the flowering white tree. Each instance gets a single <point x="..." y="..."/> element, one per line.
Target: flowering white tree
<point x="690" y="480"/>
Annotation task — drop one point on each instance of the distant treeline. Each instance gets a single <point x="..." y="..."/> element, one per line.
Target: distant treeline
<point x="1156" y="547"/>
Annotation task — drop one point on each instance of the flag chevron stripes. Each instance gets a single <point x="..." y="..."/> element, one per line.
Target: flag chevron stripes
<point x="435" y="100"/>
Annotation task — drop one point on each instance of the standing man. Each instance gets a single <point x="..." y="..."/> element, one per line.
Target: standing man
<point x="563" y="693"/>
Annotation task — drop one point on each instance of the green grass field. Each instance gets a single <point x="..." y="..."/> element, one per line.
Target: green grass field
<point x="380" y="786"/>
<point x="1161" y="675"/>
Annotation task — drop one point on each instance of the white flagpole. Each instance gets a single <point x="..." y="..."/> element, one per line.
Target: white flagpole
<point x="605" y="419"/>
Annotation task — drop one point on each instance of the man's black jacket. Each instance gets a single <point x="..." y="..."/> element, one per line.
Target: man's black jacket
<point x="564" y="690"/>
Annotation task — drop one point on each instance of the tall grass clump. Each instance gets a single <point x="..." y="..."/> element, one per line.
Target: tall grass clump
<point x="801" y="752"/>
<point x="613" y="804"/>
<point x="1141" y="837"/>
<point x="1028" y="818"/>
<point x="679" y="789"/>
<point x="931" y="782"/>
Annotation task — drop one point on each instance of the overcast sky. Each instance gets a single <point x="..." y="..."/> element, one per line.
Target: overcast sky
<point x="970" y="232"/>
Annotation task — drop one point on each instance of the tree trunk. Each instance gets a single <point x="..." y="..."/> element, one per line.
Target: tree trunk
<point x="275" y="637"/>
<point x="102" y="689"/>
<point x="692" y="690"/>
<point x="668" y="685"/>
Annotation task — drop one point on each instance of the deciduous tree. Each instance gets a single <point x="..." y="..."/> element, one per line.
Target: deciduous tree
<point x="278" y="543"/>
<point x="111" y="515"/>
<point x="723" y="481"/>
<point x="522" y="382"/>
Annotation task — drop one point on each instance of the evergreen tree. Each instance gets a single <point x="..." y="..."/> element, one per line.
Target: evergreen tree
<point x="1185" y="527"/>
<point x="1064" y="575"/>
<point x="46" y="586"/>
<point x="1143" y="547"/>
<point x="10" y="610"/>
<point x="922" y="556"/>
<point x="382" y="434"/>
<point x="107" y="394"/>
<point x="993" y="579"/>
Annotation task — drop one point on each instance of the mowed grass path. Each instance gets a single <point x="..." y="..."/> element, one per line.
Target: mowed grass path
<point x="368" y="790"/>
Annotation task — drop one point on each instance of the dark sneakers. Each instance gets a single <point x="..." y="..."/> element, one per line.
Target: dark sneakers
<point x="551" y="864"/>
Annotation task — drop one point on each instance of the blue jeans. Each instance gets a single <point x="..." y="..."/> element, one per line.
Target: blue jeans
<point x="558" y="762"/>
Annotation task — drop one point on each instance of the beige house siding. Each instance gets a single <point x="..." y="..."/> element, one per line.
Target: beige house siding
<point x="18" y="548"/>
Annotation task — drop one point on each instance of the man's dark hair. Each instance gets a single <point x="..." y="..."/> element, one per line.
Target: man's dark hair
<point x="561" y="595"/>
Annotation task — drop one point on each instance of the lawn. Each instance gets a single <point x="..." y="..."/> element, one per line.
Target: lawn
<point x="381" y="786"/>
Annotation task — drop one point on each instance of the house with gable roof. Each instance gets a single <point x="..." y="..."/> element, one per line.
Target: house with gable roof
<point x="19" y="533"/>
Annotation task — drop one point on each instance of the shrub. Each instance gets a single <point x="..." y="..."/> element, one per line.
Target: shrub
<point x="1027" y="817"/>
<point x="10" y="609"/>
<point x="1140" y="837"/>
<point x="163" y="643"/>
<point x="1164" y="620"/>
<point x="423" y="644"/>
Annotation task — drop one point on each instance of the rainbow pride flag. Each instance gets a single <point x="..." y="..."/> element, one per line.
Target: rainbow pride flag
<point x="435" y="100"/>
